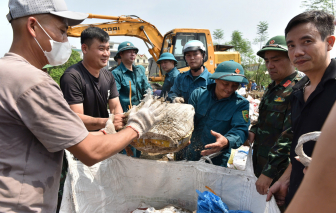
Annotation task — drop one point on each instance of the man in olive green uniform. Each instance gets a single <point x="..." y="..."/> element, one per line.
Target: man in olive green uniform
<point x="274" y="116"/>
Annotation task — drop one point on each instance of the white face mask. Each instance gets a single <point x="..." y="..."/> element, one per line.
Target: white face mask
<point x="60" y="51"/>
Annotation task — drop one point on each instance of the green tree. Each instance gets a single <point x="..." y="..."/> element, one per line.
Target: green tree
<point x="262" y="33"/>
<point x="326" y="5"/>
<point x="218" y="35"/>
<point x="262" y="36"/>
<point x="57" y="71"/>
<point x="241" y="45"/>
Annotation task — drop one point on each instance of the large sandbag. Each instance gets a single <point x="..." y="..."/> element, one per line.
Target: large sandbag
<point x="172" y="133"/>
<point x="120" y="184"/>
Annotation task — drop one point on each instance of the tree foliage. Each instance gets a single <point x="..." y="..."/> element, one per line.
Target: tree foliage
<point x="253" y="65"/>
<point x="218" y="35"/>
<point x="262" y="34"/>
<point x="57" y="71"/>
<point x="261" y="77"/>
<point x="241" y="45"/>
<point x="326" y="5"/>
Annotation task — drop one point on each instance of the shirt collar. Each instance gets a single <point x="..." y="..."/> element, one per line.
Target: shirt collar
<point x="171" y="72"/>
<point x="330" y="73"/>
<point x="124" y="69"/>
<point x="202" y="75"/>
<point x="284" y="81"/>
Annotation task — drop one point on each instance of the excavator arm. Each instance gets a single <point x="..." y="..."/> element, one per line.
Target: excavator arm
<point x="126" y="26"/>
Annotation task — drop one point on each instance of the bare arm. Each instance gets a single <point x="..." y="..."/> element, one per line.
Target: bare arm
<point x="317" y="190"/>
<point x="115" y="106"/>
<point x="116" y="109"/>
<point x="95" y="148"/>
<point x="90" y="123"/>
<point x="280" y="188"/>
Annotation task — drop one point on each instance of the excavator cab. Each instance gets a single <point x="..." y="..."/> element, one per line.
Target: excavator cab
<point x="174" y="42"/>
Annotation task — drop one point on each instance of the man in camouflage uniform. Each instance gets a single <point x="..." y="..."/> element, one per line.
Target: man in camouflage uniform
<point x="274" y="116"/>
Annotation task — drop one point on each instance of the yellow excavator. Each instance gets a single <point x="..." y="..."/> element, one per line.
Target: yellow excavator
<point x="173" y="41"/>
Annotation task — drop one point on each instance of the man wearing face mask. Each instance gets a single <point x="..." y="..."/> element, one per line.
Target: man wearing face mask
<point x="89" y="87"/>
<point x="36" y="123"/>
<point x="197" y="76"/>
<point x="168" y="63"/>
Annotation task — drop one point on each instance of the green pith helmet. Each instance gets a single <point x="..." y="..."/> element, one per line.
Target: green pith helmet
<point x="167" y="56"/>
<point x="126" y="45"/>
<point x="277" y="43"/>
<point x="230" y="71"/>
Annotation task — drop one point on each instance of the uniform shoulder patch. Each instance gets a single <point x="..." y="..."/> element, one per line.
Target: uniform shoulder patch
<point x="279" y="99"/>
<point x="245" y="115"/>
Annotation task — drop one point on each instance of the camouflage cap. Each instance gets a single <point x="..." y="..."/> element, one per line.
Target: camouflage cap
<point x="277" y="43"/>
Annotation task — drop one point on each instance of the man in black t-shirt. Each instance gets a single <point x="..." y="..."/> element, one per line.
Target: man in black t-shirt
<point x="309" y="37"/>
<point x="88" y="87"/>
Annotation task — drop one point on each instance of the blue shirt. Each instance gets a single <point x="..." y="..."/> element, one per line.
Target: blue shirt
<point x="138" y="81"/>
<point x="225" y="116"/>
<point x="185" y="84"/>
<point x="169" y="81"/>
<point x="253" y="86"/>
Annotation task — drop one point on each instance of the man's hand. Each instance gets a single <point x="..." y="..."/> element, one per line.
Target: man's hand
<point x="221" y="143"/>
<point x="250" y="139"/>
<point x="142" y="120"/>
<point x="279" y="190"/>
<point x="118" y="121"/>
<point x="263" y="183"/>
<point x="178" y="100"/>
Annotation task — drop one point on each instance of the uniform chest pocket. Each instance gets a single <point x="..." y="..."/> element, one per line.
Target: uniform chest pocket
<point x="125" y="81"/>
<point x="276" y="115"/>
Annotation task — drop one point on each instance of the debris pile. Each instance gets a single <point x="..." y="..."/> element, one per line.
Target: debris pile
<point x="144" y="208"/>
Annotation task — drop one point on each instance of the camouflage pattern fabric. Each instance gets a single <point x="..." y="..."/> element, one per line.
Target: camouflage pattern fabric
<point x="272" y="143"/>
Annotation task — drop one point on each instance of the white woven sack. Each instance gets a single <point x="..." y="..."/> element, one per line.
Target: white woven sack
<point x="120" y="183"/>
<point x="172" y="133"/>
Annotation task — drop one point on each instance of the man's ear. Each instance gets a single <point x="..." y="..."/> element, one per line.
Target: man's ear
<point x="31" y="26"/>
<point x="331" y="42"/>
<point x="84" y="48"/>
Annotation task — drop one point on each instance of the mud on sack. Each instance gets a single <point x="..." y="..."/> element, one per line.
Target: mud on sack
<point x="172" y="133"/>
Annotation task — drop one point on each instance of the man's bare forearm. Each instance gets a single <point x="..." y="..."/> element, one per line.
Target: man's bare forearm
<point x="95" y="148"/>
<point x="92" y="123"/>
<point x="285" y="177"/>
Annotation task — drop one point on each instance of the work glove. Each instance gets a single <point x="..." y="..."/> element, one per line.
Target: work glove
<point x="142" y="120"/>
<point x="179" y="100"/>
<point x="109" y="126"/>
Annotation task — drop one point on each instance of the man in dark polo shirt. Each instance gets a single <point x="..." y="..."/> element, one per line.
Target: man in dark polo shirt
<point x="309" y="38"/>
<point x="89" y="87"/>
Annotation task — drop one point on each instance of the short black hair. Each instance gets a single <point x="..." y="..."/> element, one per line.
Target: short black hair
<point x="91" y="33"/>
<point x="323" y="21"/>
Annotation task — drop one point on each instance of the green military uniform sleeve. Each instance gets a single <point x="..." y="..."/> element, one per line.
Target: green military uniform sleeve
<point x="145" y="83"/>
<point x="278" y="156"/>
<point x="175" y="89"/>
<point x="254" y="128"/>
<point x="117" y="80"/>
<point x="239" y="127"/>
